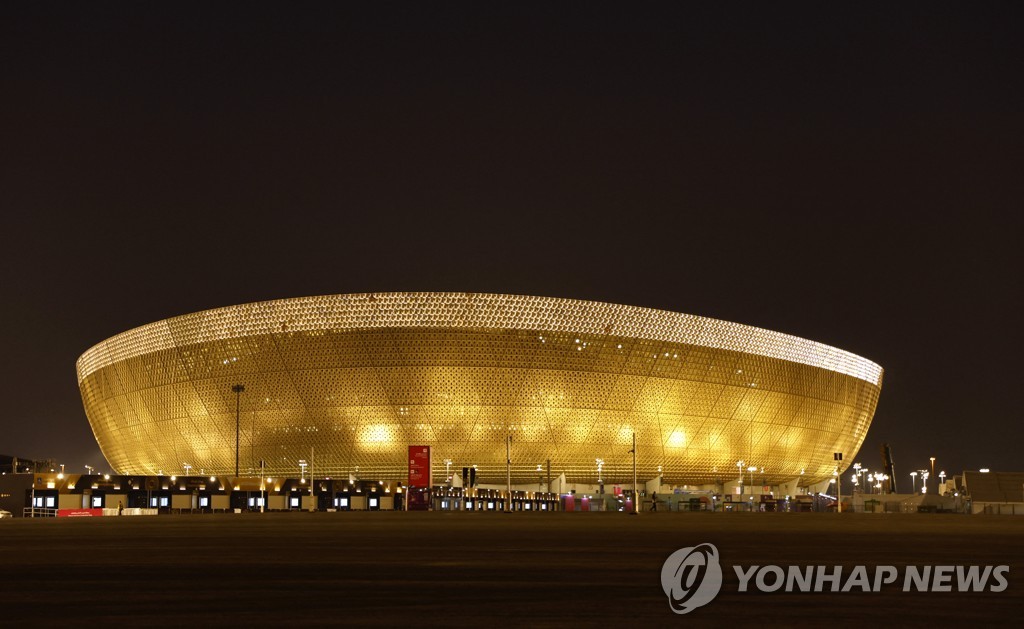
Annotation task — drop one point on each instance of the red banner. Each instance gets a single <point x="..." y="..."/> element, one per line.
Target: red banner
<point x="78" y="513"/>
<point x="419" y="466"/>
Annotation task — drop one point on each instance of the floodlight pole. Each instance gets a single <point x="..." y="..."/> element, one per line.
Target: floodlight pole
<point x="508" y="473"/>
<point x="839" y="491"/>
<point x="238" y="388"/>
<point x="838" y="458"/>
<point x="636" y="496"/>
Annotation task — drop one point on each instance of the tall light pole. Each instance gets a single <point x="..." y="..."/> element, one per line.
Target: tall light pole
<point x="838" y="458"/>
<point x="636" y="497"/>
<point x="839" y="490"/>
<point x="508" y="473"/>
<point x="238" y="388"/>
<point x="263" y="485"/>
<point x="913" y="482"/>
<point x="932" y="459"/>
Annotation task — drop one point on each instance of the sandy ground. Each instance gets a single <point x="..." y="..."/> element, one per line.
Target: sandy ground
<point x="484" y="569"/>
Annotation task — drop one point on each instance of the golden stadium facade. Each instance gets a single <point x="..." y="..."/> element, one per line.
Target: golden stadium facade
<point x="358" y="378"/>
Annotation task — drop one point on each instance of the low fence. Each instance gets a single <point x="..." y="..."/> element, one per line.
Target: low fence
<point x="1002" y="508"/>
<point x="39" y="512"/>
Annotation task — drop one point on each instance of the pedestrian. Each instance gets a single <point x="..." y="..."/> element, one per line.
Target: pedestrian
<point x="120" y="508"/>
<point x="654" y="501"/>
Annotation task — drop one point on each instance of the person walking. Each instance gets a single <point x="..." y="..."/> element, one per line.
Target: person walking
<point x="654" y="501"/>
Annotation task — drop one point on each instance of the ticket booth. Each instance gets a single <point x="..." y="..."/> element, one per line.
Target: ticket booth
<point x="160" y="499"/>
<point x="419" y="499"/>
<point x="255" y="500"/>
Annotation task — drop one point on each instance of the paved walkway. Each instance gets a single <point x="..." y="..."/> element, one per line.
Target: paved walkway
<point x="483" y="569"/>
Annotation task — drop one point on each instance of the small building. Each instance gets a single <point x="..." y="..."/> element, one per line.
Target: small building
<point x="999" y="493"/>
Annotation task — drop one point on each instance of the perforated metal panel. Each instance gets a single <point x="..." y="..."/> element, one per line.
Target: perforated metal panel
<point x="360" y="377"/>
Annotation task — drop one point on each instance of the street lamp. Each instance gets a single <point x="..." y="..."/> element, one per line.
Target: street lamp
<point x="89" y="469"/>
<point x="187" y="468"/>
<point x="739" y="466"/>
<point x="932" y="459"/>
<point x="913" y="482"/>
<point x="942" y="479"/>
<point x="238" y="388"/>
<point x="636" y="496"/>
<point x="924" y="481"/>
<point x="263" y="485"/>
<point x="752" y="469"/>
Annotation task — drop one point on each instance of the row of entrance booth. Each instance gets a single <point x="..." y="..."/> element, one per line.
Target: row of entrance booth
<point x="455" y="499"/>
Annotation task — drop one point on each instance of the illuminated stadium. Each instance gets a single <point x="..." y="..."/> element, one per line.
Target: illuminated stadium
<point x="359" y="378"/>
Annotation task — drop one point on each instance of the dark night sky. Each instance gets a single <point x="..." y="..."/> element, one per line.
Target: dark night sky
<point x="849" y="177"/>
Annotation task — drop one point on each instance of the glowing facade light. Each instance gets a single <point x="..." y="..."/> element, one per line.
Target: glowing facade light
<point x="371" y="421"/>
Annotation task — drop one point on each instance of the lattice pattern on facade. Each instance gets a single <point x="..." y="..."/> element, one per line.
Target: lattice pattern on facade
<point x="360" y="377"/>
